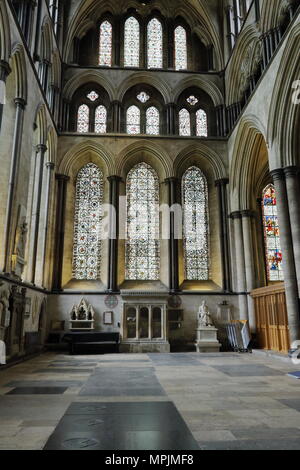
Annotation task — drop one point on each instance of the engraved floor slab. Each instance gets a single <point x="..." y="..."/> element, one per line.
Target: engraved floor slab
<point x="122" y="426"/>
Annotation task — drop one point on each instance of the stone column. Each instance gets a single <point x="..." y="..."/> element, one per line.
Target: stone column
<point x="62" y="181"/>
<point x="4" y="72"/>
<point x="50" y="168"/>
<point x="114" y="183"/>
<point x="247" y="216"/>
<point x="171" y="119"/>
<point x="173" y="241"/>
<point x="116" y="116"/>
<point x="15" y="159"/>
<point x="290" y="280"/>
<point x="240" y="264"/>
<point x="37" y="196"/>
<point x="221" y="186"/>
<point x="293" y="189"/>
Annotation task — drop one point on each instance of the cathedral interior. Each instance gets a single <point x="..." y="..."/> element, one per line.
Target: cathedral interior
<point x="149" y="224"/>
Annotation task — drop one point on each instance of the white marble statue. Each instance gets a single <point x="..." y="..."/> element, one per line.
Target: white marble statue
<point x="204" y="318"/>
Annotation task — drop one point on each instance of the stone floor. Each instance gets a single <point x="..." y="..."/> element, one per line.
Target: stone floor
<point x="150" y="401"/>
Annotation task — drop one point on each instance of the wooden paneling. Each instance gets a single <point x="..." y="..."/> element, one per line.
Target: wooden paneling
<point x="271" y="318"/>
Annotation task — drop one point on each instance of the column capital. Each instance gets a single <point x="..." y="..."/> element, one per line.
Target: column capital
<point x="291" y="171"/>
<point x="222" y="182"/>
<point x="41" y="148"/>
<point x="20" y="103"/>
<point x="236" y="215"/>
<point x="60" y="177"/>
<point x="114" y="178"/>
<point x="277" y="175"/>
<point x="5" y="70"/>
<point x="50" y="165"/>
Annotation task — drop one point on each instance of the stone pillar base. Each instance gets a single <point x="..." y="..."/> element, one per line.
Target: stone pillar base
<point x="207" y="340"/>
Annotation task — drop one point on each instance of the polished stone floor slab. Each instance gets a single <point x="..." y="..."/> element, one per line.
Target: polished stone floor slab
<point x="116" y="381"/>
<point x="292" y="403"/>
<point x="117" y="426"/>
<point x="248" y="370"/>
<point x="37" y="391"/>
<point x="44" y="383"/>
<point x="52" y="370"/>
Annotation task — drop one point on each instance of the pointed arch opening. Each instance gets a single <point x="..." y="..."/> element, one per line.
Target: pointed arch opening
<point x="195" y="225"/>
<point x="142" y="229"/>
<point x="132" y="42"/>
<point x="87" y="224"/>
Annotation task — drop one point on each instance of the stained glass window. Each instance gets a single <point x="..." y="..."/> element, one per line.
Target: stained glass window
<point x="133" y="120"/>
<point x="192" y="100"/>
<point x="142" y="244"/>
<point x="152" y="121"/>
<point x="180" y="48"/>
<point x="155" y="44"/>
<point x="105" y="47"/>
<point x="132" y="43"/>
<point x="88" y="216"/>
<point x="272" y="236"/>
<point x="83" y="119"/>
<point x="100" y="120"/>
<point x="184" y="123"/>
<point x="143" y="97"/>
<point x="195" y="225"/>
<point x="93" y="96"/>
<point x="201" y="123"/>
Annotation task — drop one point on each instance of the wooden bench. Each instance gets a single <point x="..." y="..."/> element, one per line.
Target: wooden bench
<point x="92" y="342"/>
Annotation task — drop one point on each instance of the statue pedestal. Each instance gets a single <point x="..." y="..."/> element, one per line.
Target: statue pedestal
<point x="207" y="340"/>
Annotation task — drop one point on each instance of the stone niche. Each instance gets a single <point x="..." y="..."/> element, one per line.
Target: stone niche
<point x="144" y="323"/>
<point x="82" y="317"/>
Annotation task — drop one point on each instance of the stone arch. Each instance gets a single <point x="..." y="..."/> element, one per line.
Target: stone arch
<point x="5" y="42"/>
<point x="202" y="155"/>
<point x="19" y="69"/>
<point x="210" y="88"/>
<point x="86" y="14"/>
<point x="144" y="151"/>
<point x="46" y="40"/>
<point x="40" y="122"/>
<point x="243" y="63"/>
<point x="250" y="161"/>
<point x="85" y="77"/>
<point x="272" y="13"/>
<point x="73" y="156"/>
<point x="143" y="77"/>
<point x="284" y="113"/>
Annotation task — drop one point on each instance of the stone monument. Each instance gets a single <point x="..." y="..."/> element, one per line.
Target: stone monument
<point x="207" y="340"/>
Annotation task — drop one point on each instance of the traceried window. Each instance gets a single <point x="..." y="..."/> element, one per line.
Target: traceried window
<point x="132" y="43"/>
<point x="133" y="120"/>
<point x="155" y="44"/>
<point x="201" y="123"/>
<point x="105" y="44"/>
<point x="272" y="236"/>
<point x="184" y="123"/>
<point x="83" y="119"/>
<point x="142" y="231"/>
<point x="100" y="120"/>
<point x="88" y="216"/>
<point x="152" y="121"/>
<point x="195" y="225"/>
<point x="180" y="48"/>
